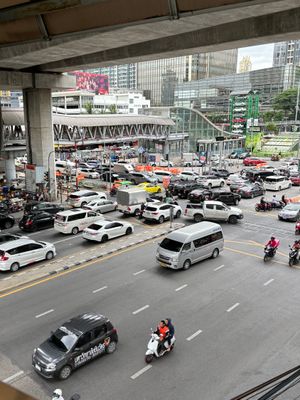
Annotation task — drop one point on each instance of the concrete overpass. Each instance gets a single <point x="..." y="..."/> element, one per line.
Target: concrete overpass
<point x="40" y="39"/>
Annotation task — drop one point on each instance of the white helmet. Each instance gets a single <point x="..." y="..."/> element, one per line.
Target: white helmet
<point x="57" y="392"/>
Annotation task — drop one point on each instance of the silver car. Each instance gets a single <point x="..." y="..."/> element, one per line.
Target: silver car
<point x="102" y="205"/>
<point x="291" y="212"/>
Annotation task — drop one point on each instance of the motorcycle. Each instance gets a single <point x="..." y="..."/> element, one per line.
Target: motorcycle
<point x="269" y="253"/>
<point x="297" y="228"/>
<point x="278" y="205"/>
<point x="293" y="256"/>
<point x="156" y="349"/>
<point x="263" y="207"/>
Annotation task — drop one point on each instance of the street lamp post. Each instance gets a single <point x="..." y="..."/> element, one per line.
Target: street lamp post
<point x="49" y="173"/>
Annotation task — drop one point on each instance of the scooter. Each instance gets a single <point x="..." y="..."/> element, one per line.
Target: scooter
<point x="263" y="207"/>
<point x="297" y="228"/>
<point x="155" y="349"/>
<point x="269" y="253"/>
<point x="293" y="256"/>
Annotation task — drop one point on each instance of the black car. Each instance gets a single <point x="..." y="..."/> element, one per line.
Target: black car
<point x="251" y="191"/>
<point x="74" y="344"/>
<point x="199" y="195"/>
<point x="37" y="206"/>
<point x="6" y="221"/>
<point x="113" y="176"/>
<point x="36" y="221"/>
<point x="8" y="237"/>
<point x="187" y="189"/>
<point x="176" y="186"/>
<point x="226" y="197"/>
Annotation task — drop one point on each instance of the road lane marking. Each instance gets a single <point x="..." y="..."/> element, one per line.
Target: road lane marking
<point x="181" y="287"/>
<point x="21" y="273"/>
<point x="6" y="279"/>
<point x="194" y="335"/>
<point x="268" y="282"/>
<point x="99" y="290"/>
<point x="140" y="372"/>
<point x="12" y="377"/>
<point x="233" y="307"/>
<point x="140" y="309"/>
<point x="44" y="313"/>
<point x="221" y="266"/>
<point x="139" y="272"/>
<point x="64" y="240"/>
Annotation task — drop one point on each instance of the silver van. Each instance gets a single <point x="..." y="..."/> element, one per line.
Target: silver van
<point x="189" y="245"/>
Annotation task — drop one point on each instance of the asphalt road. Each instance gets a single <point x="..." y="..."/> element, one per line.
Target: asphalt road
<point x="235" y="317"/>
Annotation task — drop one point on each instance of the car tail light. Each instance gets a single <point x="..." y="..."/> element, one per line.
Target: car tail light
<point x="3" y="257"/>
<point x="155" y="213"/>
<point x="29" y="222"/>
<point x="128" y="209"/>
<point x="114" y="330"/>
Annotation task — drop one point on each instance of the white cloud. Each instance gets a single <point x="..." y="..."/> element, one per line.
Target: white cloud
<point x="261" y="56"/>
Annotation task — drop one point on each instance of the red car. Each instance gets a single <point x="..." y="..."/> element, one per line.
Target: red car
<point x="295" y="180"/>
<point x="250" y="161"/>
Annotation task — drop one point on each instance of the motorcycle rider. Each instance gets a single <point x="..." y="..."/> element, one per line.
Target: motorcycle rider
<point x="272" y="244"/>
<point x="169" y="324"/>
<point x="57" y="395"/>
<point x="296" y="246"/>
<point x="163" y="332"/>
<point x="263" y="203"/>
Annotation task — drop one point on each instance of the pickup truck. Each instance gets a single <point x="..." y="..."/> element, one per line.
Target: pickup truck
<point x="213" y="211"/>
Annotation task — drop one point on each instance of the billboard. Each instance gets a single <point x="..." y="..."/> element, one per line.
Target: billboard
<point x="96" y="83"/>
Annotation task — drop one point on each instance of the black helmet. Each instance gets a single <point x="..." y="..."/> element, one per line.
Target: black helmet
<point x="272" y="237"/>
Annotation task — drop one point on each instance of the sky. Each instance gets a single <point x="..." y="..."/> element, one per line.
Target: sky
<point x="261" y="56"/>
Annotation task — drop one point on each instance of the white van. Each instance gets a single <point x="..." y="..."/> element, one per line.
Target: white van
<point x="189" y="245"/>
<point x="276" y="182"/>
<point x="75" y="220"/>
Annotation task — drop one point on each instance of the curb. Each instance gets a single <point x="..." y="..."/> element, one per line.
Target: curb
<point x="94" y="258"/>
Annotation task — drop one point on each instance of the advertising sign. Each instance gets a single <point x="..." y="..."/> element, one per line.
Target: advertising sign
<point x="96" y="83"/>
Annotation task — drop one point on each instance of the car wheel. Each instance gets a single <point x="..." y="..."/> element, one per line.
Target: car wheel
<point x="222" y="184"/>
<point x="84" y="203"/>
<point x="188" y="165"/>
<point x="112" y="346"/>
<point x="75" y="230"/>
<point x="159" y="191"/>
<point x="215" y="253"/>
<point x="8" y="224"/>
<point x="104" y="239"/>
<point x="65" y="372"/>
<point x="186" y="265"/>
<point x="161" y="219"/>
<point x="178" y="214"/>
<point x="136" y="212"/>
<point x="49" y="255"/>
<point x="128" y="231"/>
<point x="232" y="219"/>
<point x="279" y="188"/>
<point x="236" y="202"/>
<point x="209" y="186"/>
<point x="198" y="217"/>
<point x="14" y="267"/>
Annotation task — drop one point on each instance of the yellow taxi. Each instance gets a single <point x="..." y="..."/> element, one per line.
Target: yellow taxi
<point x="150" y="187"/>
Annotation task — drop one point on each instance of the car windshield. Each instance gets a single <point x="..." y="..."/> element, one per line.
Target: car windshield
<point x="172" y="245"/>
<point x="63" y="339"/>
<point x="292" y="207"/>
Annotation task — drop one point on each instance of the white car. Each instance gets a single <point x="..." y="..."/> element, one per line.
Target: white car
<point x="234" y="178"/>
<point x="88" y="173"/>
<point x="102" y="231"/>
<point x="160" y="212"/>
<point x="188" y="176"/>
<point x="194" y="163"/>
<point x="211" y="181"/>
<point x="82" y="197"/>
<point x="102" y="206"/>
<point x="21" y="252"/>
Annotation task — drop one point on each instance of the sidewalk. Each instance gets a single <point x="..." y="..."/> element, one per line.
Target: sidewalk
<point x="93" y="252"/>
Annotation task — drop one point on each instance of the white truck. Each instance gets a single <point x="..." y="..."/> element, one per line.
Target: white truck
<point x="130" y="200"/>
<point x="157" y="160"/>
<point x="191" y="160"/>
<point x="213" y="211"/>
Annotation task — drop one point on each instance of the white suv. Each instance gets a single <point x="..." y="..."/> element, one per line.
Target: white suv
<point x="82" y="197"/>
<point x="161" y="212"/>
<point x="189" y="175"/>
<point x="211" y="181"/>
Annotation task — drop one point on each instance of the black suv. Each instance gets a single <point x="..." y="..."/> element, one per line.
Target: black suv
<point x="75" y="343"/>
<point x="36" y="206"/>
<point x="228" y="198"/>
<point x="36" y="221"/>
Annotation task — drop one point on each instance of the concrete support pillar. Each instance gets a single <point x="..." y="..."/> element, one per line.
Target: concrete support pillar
<point x="39" y="133"/>
<point x="10" y="167"/>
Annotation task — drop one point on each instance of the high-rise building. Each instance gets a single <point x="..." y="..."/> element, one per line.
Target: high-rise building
<point x="119" y="76"/>
<point x="158" y="78"/>
<point x="286" y="53"/>
<point x="245" y="64"/>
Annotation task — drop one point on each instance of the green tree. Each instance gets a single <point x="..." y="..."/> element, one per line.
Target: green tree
<point x="271" y="127"/>
<point x="270" y="116"/>
<point x="89" y="107"/>
<point x="286" y="102"/>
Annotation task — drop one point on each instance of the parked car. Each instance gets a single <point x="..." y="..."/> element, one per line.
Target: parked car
<point x="102" y="206"/>
<point x="295" y="180"/>
<point x="74" y="220"/>
<point x="234" y="178"/>
<point x="82" y="197"/>
<point x="6" y="221"/>
<point x="150" y="187"/>
<point x="75" y="343"/>
<point x="102" y="231"/>
<point x="89" y="173"/>
<point x="199" y="195"/>
<point x="8" y="237"/>
<point x="211" y="181"/>
<point x="242" y="156"/>
<point x="106" y="176"/>
<point x="250" y="161"/>
<point x="250" y="191"/>
<point x="21" y="252"/>
<point x="236" y="186"/>
<point x="176" y="186"/>
<point x="188" y="175"/>
<point x="139" y="177"/>
<point x="36" y="206"/>
<point x="291" y="212"/>
<point x="214" y="211"/>
<point x="221" y="173"/>
<point x="184" y="191"/>
<point x="226" y="197"/>
<point x="36" y="221"/>
<point x="161" y="212"/>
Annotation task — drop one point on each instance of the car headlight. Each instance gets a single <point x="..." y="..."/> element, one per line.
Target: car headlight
<point x="34" y="351"/>
<point x="51" y="367"/>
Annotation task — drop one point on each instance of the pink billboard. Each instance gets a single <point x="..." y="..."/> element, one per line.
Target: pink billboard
<point x="96" y="83"/>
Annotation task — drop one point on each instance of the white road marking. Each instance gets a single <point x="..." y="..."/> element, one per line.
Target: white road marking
<point x="64" y="240"/>
<point x="140" y="372"/>
<point x="6" y="279"/>
<point x="268" y="282"/>
<point x="233" y="307"/>
<point x="139" y="272"/>
<point x="38" y="233"/>
<point x="36" y="268"/>
<point x="99" y="290"/>
<point x="217" y="269"/>
<point x="44" y="313"/>
<point x="12" y="377"/>
<point x="194" y="335"/>
<point x="140" y="309"/>
<point x="181" y="287"/>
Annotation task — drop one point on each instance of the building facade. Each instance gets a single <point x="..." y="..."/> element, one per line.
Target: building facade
<point x="119" y="76"/>
<point x="286" y="53"/>
<point x="245" y="64"/>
